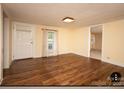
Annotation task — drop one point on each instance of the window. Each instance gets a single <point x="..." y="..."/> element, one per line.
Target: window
<point x="50" y="46"/>
<point x="50" y="40"/>
<point x="50" y="35"/>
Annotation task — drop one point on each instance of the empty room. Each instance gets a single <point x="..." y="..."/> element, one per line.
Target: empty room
<point x="61" y="44"/>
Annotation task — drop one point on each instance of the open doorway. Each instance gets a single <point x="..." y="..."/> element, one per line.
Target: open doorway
<point x="96" y="41"/>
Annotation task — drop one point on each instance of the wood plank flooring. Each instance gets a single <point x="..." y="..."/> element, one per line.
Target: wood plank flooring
<point x="66" y="69"/>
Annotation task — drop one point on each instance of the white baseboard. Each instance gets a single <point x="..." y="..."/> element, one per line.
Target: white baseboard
<point x="81" y="54"/>
<point x="121" y="64"/>
<point x="37" y="56"/>
<point x="6" y="67"/>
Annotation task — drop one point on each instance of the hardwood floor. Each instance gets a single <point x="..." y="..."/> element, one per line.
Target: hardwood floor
<point x="66" y="69"/>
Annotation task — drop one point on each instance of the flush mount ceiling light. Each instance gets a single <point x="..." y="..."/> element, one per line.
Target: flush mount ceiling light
<point x="68" y="19"/>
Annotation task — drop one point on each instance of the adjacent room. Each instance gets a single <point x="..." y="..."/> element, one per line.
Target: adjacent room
<point x="67" y="44"/>
<point x="96" y="42"/>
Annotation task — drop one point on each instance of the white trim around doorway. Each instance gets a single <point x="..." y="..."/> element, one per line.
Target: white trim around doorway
<point x="89" y="41"/>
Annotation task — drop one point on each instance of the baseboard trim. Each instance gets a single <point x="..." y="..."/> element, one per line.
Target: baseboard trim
<point x="113" y="62"/>
<point x="81" y="55"/>
<point x="105" y="60"/>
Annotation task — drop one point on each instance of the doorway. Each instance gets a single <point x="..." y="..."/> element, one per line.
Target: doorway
<point x="23" y="41"/>
<point x="49" y="43"/>
<point x="96" y="41"/>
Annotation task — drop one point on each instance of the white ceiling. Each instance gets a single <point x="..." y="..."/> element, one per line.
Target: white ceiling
<point x="52" y="14"/>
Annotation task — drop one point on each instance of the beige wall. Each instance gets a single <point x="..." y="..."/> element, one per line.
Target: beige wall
<point x="64" y="40"/>
<point x="38" y="41"/>
<point x="78" y="40"/>
<point x="113" y="42"/>
<point x="81" y="41"/>
<point x="113" y="38"/>
<point x="7" y="41"/>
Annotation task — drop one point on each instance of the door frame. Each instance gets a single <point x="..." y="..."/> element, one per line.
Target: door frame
<point x="49" y="30"/>
<point x="13" y="36"/>
<point x="1" y="44"/>
<point x="89" y="41"/>
<point x="55" y="44"/>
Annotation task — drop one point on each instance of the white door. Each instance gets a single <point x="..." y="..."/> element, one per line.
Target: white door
<point x="50" y="43"/>
<point x="23" y="42"/>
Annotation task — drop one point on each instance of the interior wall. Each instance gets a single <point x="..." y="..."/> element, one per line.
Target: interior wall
<point x="38" y="41"/>
<point x="81" y="41"/>
<point x="6" y="42"/>
<point x="112" y="42"/>
<point x="1" y="44"/>
<point x="77" y="41"/>
<point x="7" y="33"/>
<point x="64" y="40"/>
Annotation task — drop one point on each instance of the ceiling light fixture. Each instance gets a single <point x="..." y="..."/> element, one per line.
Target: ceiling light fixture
<point x="68" y="19"/>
